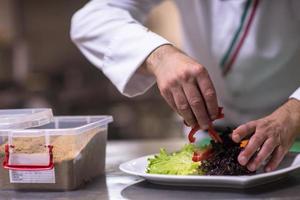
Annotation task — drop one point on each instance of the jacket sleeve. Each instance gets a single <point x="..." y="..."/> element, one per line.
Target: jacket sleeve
<point x="111" y="36"/>
<point x="296" y="94"/>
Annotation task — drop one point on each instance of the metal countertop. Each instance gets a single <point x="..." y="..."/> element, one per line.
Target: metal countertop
<point x="118" y="185"/>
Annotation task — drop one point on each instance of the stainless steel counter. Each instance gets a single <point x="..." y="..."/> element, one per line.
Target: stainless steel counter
<point x="118" y="185"/>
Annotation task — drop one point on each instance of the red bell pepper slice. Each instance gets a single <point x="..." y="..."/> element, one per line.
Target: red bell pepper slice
<point x="193" y="131"/>
<point x="212" y="133"/>
<point x="202" y="155"/>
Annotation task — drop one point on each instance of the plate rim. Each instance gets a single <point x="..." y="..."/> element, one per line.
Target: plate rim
<point x="242" y="179"/>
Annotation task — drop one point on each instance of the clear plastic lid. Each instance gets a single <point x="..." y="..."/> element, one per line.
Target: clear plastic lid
<point x="24" y="118"/>
<point x="63" y="125"/>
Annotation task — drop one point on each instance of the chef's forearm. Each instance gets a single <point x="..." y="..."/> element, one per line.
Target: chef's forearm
<point x="111" y="35"/>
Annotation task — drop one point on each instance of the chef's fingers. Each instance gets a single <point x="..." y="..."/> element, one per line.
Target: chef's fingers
<point x="196" y="102"/>
<point x="255" y="142"/>
<point x="167" y="95"/>
<point x="276" y="158"/>
<point x="182" y="106"/>
<point x="208" y="92"/>
<point x="265" y="151"/>
<point x="242" y="131"/>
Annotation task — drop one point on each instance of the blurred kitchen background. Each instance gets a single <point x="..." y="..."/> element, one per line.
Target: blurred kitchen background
<point x="41" y="67"/>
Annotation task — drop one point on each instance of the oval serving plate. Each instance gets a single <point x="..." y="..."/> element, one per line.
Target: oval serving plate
<point x="138" y="167"/>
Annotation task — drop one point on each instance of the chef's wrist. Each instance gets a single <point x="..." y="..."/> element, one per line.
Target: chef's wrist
<point x="155" y="59"/>
<point x="292" y="106"/>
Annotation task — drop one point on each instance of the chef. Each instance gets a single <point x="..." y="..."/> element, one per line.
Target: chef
<point x="243" y="55"/>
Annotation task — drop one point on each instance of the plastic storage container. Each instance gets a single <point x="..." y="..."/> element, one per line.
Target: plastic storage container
<point x="61" y="155"/>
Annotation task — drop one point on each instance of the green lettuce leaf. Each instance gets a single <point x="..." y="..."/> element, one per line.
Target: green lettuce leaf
<point x="178" y="163"/>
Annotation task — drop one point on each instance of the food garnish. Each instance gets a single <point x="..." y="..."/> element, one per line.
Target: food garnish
<point x="213" y="159"/>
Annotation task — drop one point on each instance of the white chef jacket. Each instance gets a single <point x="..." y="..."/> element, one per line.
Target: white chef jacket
<point x="262" y="36"/>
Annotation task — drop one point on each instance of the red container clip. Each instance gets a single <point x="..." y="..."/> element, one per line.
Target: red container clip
<point x="21" y="167"/>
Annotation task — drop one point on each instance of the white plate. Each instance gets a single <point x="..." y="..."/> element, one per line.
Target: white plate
<point x="138" y="166"/>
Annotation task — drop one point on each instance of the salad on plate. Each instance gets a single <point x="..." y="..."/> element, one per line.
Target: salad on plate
<point x="217" y="158"/>
<point x="213" y="159"/>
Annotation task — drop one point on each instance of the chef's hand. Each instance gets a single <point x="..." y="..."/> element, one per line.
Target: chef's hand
<point x="184" y="84"/>
<point x="272" y="137"/>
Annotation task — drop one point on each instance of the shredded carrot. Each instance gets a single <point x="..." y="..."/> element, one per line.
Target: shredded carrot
<point x="244" y="143"/>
